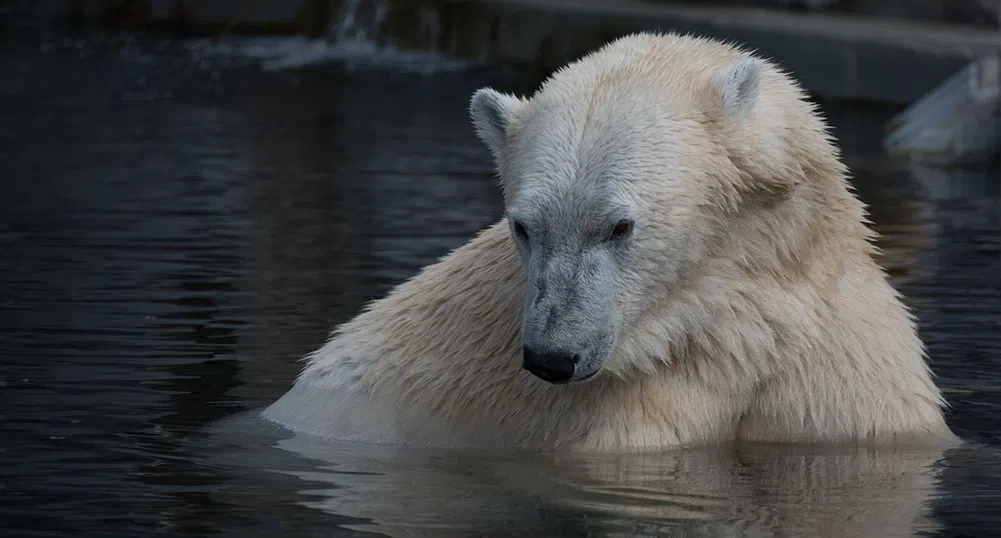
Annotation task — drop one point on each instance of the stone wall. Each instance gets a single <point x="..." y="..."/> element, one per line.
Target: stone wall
<point x="285" y="15"/>
<point x="884" y="58"/>
<point x="982" y="13"/>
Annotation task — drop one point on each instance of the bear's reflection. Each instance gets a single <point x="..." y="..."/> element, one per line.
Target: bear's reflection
<point x="747" y="490"/>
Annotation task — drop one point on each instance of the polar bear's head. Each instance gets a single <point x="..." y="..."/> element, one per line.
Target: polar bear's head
<point x="617" y="175"/>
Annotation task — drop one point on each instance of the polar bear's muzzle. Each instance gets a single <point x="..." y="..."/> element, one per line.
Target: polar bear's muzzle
<point x="569" y="315"/>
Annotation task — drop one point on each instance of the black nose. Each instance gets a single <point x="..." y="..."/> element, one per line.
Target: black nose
<point x="552" y="367"/>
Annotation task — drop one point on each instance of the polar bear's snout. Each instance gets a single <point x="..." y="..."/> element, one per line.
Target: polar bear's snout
<point x="569" y="313"/>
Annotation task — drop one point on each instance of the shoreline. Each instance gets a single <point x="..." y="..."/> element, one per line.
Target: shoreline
<point x="835" y="56"/>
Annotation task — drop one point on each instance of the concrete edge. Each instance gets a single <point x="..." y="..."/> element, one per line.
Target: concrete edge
<point x="834" y="57"/>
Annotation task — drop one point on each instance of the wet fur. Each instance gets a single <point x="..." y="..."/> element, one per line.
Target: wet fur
<point x="751" y="307"/>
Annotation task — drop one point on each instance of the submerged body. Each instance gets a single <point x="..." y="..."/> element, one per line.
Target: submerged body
<point x="681" y="262"/>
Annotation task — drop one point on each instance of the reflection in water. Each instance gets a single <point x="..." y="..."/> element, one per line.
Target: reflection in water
<point x="747" y="491"/>
<point x="176" y="238"/>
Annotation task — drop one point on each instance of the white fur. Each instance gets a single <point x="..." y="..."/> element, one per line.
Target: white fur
<point x="491" y="114"/>
<point x="739" y="85"/>
<point x="745" y="304"/>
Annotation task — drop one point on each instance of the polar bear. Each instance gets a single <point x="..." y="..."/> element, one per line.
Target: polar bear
<point x="681" y="262"/>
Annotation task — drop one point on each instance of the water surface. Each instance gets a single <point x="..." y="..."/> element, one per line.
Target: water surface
<point x="178" y="233"/>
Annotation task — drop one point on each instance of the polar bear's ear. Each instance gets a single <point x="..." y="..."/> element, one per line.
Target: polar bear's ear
<point x="739" y="85"/>
<point x="491" y="112"/>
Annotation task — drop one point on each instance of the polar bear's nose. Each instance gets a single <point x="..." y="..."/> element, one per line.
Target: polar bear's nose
<point x="553" y="367"/>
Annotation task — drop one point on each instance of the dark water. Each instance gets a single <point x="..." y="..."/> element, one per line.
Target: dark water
<point x="176" y="236"/>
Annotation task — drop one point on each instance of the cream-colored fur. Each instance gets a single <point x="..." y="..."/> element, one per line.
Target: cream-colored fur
<point x="758" y="311"/>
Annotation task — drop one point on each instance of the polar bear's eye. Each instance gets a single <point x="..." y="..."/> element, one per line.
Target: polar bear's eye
<point x="622" y="228"/>
<point x="520" y="231"/>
